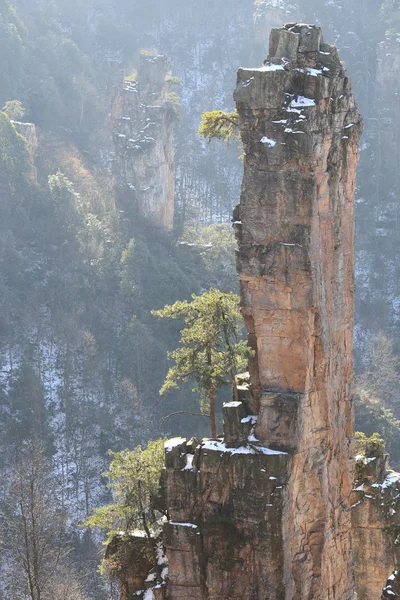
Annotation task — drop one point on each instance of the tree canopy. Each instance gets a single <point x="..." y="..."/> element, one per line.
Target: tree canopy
<point x="134" y="479"/>
<point x="220" y="125"/>
<point x="211" y="350"/>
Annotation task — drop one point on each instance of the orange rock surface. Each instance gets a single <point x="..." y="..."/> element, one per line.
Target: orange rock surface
<point x="300" y="129"/>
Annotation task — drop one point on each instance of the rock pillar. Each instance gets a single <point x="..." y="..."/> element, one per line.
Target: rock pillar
<point x="28" y="131"/>
<point x="300" y="128"/>
<point x="263" y="512"/>
<point x="144" y="117"/>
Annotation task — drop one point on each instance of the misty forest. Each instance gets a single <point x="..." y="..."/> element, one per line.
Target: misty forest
<point x="121" y="164"/>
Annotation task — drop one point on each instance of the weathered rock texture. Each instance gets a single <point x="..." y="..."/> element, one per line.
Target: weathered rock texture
<point x="225" y="505"/>
<point x="300" y="128"/>
<point x="375" y="527"/>
<point x="143" y="137"/>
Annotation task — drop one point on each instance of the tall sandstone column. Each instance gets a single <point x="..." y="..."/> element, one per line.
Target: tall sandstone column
<point x="300" y="128"/>
<point x="144" y="119"/>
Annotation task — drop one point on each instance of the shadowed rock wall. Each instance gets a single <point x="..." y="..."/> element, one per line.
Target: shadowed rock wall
<point x="225" y="503"/>
<point x="295" y="224"/>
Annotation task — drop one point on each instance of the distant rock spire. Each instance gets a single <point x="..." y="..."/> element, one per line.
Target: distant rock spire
<point x="143" y="139"/>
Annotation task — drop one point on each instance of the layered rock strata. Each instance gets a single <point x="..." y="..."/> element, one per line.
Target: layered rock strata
<point x="300" y="128"/>
<point x="144" y="119"/>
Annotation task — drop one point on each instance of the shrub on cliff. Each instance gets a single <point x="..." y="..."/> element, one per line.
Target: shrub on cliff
<point x="134" y="478"/>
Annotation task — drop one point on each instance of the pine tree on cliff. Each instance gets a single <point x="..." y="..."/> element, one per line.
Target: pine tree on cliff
<point x="220" y="125"/>
<point x="211" y="351"/>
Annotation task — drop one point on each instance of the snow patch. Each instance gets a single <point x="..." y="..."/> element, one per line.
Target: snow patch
<point x="192" y="525"/>
<point x="312" y="72"/>
<point x="268" y="142"/>
<point x="272" y="67"/>
<point x="170" y="444"/>
<point x="302" y="101"/>
<point x="289" y="130"/>
<point x="247" y="82"/>
<point x="391" y="479"/>
<point x="248" y="449"/>
<point x="189" y="463"/>
<point x="249" y="419"/>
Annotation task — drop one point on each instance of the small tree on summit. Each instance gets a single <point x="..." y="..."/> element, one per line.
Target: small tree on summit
<point x="14" y="109"/>
<point x="211" y="351"/>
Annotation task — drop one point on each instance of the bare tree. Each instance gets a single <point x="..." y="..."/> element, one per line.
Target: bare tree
<point x="381" y="374"/>
<point x="32" y="528"/>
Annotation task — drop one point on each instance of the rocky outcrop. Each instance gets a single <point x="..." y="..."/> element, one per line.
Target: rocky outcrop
<point x="28" y="131"/>
<point x="375" y="527"/>
<point x="300" y="128"/>
<point x="226" y="504"/>
<point x="130" y="561"/>
<point x="265" y="510"/>
<point x="143" y="137"/>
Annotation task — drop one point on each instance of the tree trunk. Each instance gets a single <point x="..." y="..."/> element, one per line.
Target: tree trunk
<point x="212" y="398"/>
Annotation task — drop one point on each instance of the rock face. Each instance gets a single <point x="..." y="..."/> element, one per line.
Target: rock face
<point x="375" y="528"/>
<point x="300" y="128"/>
<point x="225" y="503"/>
<point x="143" y="137"/>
